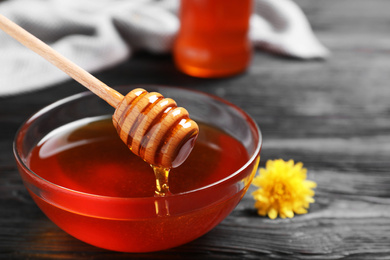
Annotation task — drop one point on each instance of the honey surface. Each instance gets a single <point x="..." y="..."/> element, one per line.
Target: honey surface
<point x="88" y="156"/>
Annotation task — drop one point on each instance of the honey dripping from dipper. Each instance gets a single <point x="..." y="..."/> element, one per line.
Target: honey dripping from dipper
<point x="157" y="130"/>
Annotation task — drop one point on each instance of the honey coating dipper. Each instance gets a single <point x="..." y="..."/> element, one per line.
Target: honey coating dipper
<point x="153" y="127"/>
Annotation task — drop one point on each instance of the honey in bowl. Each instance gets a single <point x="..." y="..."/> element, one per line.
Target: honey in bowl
<point x="88" y="156"/>
<point x="86" y="180"/>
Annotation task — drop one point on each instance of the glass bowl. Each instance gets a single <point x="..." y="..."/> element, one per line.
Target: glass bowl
<point x="133" y="224"/>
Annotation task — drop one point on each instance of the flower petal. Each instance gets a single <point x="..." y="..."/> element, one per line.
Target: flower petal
<point x="272" y="213"/>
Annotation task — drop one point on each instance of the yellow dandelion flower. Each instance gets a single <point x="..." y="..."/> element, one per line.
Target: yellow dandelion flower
<point x="283" y="189"/>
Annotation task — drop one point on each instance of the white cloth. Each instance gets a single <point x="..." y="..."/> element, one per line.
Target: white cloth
<point x="100" y="34"/>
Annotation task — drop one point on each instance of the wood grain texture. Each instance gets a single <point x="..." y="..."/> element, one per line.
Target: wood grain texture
<point x="332" y="115"/>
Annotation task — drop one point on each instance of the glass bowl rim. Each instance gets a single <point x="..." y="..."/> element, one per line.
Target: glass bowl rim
<point x="83" y="94"/>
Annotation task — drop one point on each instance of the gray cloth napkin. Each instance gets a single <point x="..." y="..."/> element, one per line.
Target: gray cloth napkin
<point x="100" y="34"/>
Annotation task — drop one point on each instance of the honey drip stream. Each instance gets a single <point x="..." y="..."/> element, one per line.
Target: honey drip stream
<point x="162" y="190"/>
<point x="162" y="186"/>
<point x="157" y="130"/>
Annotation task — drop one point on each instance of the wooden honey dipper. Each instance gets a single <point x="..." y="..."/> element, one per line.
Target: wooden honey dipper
<point x="153" y="127"/>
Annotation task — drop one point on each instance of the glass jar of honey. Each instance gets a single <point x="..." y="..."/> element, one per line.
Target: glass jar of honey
<point x="213" y="37"/>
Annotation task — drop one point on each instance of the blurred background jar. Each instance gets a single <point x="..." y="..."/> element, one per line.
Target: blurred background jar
<point x="213" y="38"/>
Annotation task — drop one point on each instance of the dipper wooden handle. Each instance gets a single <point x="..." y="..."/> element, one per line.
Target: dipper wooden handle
<point x="152" y="126"/>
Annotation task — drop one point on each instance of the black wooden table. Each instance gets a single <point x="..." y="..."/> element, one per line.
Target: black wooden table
<point x="332" y="115"/>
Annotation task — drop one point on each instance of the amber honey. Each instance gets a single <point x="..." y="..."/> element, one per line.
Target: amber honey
<point x="87" y="156"/>
<point x="213" y="37"/>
